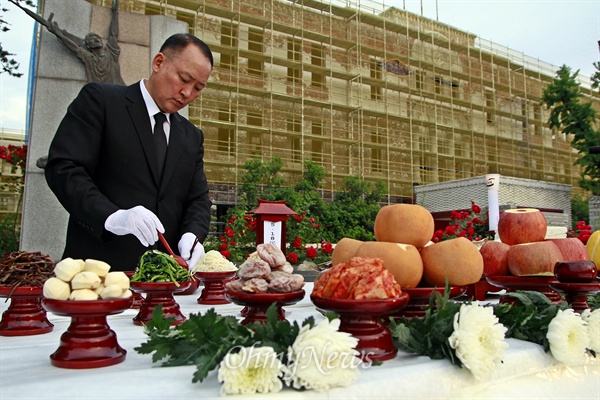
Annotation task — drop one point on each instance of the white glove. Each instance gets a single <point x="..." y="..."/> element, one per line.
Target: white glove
<point x="138" y="221"/>
<point x="185" y="248"/>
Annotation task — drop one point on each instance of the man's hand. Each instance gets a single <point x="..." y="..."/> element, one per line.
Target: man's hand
<point x="138" y="221"/>
<point x="190" y="249"/>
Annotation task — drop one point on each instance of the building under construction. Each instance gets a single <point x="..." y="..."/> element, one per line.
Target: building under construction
<point x="365" y="90"/>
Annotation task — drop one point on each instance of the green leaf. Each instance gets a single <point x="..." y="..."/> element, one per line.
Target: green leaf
<point x="158" y="321"/>
<point x="567" y="113"/>
<point x="429" y="334"/>
<point x="278" y="334"/>
<point x="529" y="317"/>
<point x="206" y="363"/>
<point x="594" y="301"/>
<point x="204" y="340"/>
<point x="201" y="340"/>
<point x="404" y="339"/>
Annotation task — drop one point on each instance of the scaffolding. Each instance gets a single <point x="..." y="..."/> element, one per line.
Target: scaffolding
<point x="366" y="90"/>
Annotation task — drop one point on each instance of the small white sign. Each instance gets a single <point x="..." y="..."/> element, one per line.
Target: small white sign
<point x="272" y="232"/>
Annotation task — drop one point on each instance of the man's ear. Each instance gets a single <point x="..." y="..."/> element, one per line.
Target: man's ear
<point x="158" y="61"/>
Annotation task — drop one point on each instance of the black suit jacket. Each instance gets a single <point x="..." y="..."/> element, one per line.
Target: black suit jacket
<point x="102" y="159"/>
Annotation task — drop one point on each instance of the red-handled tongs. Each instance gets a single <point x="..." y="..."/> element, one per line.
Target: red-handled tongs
<point x="179" y="259"/>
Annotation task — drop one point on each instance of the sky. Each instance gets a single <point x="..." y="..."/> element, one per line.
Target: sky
<point x="554" y="31"/>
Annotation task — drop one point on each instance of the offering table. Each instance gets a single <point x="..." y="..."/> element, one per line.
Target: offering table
<point x="527" y="371"/>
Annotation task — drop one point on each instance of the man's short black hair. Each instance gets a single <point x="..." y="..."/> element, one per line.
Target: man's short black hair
<point x="179" y="41"/>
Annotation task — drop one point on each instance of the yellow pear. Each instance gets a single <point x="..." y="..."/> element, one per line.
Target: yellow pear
<point x="593" y="248"/>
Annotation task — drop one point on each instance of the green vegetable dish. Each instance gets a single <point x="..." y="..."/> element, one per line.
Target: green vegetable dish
<point x="156" y="266"/>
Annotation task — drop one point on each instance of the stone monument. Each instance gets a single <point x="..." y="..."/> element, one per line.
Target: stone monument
<point x="58" y="77"/>
<point x="101" y="60"/>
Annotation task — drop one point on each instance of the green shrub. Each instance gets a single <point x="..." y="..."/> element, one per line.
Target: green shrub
<point x="317" y="225"/>
<point x="9" y="237"/>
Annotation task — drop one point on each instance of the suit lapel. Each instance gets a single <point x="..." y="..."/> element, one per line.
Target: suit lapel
<point x="176" y="145"/>
<point x="139" y="116"/>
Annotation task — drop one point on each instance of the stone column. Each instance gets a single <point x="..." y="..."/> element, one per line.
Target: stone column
<point x="594" y="215"/>
<point x="59" y="75"/>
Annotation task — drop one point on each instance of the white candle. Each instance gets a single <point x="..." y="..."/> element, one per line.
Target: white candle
<point x="492" y="182"/>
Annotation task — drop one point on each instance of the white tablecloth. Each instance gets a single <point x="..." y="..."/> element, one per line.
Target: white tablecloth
<point x="527" y="372"/>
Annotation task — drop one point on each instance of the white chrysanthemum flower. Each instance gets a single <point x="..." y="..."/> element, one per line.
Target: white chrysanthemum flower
<point x="478" y="339"/>
<point x="592" y="320"/>
<point x="322" y="357"/>
<point x="568" y="337"/>
<point x="251" y="370"/>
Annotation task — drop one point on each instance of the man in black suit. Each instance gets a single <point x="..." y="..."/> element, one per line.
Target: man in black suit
<point x="104" y="169"/>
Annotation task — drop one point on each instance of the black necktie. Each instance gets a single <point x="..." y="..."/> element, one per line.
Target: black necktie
<point x="160" y="140"/>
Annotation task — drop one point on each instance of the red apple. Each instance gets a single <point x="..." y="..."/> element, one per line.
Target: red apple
<point x="522" y="225"/>
<point x="537" y="258"/>
<point x="495" y="258"/>
<point x="572" y="249"/>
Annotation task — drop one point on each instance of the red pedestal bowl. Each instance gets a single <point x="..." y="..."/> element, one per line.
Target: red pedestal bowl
<point x="159" y="293"/>
<point x="138" y="299"/>
<point x="539" y="283"/>
<point x="258" y="303"/>
<point x="88" y="342"/>
<point x="418" y="301"/>
<point x="214" y="286"/>
<point x="576" y="271"/>
<point x="25" y="314"/>
<point x="193" y="288"/>
<point x="576" y="293"/>
<point x="577" y="280"/>
<point x="363" y="320"/>
<point x="480" y="289"/>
